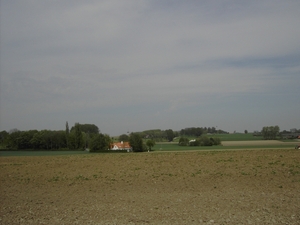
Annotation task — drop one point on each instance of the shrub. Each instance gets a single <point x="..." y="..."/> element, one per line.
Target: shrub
<point x="183" y="141"/>
<point x="194" y="143"/>
<point x="205" y="141"/>
<point x="215" y="141"/>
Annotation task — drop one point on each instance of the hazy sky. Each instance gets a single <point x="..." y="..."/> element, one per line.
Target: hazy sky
<point x="144" y="64"/>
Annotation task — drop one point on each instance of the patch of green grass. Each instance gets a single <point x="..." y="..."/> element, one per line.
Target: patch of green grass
<point x="40" y="153"/>
<point x="244" y="173"/>
<point x="236" y="137"/>
<point x="199" y="172"/>
<point x="294" y="172"/>
<point x="226" y="160"/>
<point x="54" y="179"/>
<point x="274" y="163"/>
<point x="228" y="137"/>
<point x="80" y="177"/>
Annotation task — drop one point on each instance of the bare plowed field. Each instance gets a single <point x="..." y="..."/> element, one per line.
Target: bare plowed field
<point x="226" y="187"/>
<point x="253" y="143"/>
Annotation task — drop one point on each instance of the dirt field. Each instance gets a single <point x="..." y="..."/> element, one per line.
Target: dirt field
<point x="228" y="187"/>
<point x="253" y="143"/>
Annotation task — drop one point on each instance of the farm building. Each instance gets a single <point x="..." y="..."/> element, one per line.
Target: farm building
<point x="120" y="146"/>
<point x="291" y="136"/>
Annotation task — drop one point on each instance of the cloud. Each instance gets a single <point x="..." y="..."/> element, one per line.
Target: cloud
<point x="74" y="59"/>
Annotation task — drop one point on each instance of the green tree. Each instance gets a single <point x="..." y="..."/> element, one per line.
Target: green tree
<point x="183" y="141"/>
<point x="205" y="141"/>
<point x="170" y="134"/>
<point x="87" y="139"/>
<point x="150" y="144"/>
<point x="276" y="131"/>
<point x="100" y="142"/>
<point x="136" y="142"/>
<point x="270" y="133"/>
<point x="192" y="131"/>
<point x="71" y="140"/>
<point x="124" y="137"/>
<point x="67" y="133"/>
<point x="23" y="140"/>
<point x="194" y="143"/>
<point x="48" y="136"/>
<point x="36" y="141"/>
<point x="78" y="136"/>
<point x="88" y="128"/>
<point x="33" y="139"/>
<point x="13" y="138"/>
<point x="59" y="139"/>
<point x="4" y="138"/>
<point x="215" y="141"/>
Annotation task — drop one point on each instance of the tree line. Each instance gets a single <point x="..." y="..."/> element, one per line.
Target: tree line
<point x="33" y="139"/>
<point x="78" y="137"/>
<point x="82" y="136"/>
<point x="169" y="134"/>
<point x="198" y="131"/>
<point x="200" y="141"/>
<point x="270" y="133"/>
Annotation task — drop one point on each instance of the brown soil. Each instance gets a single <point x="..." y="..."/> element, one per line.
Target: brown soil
<point x="255" y="143"/>
<point x="228" y="187"/>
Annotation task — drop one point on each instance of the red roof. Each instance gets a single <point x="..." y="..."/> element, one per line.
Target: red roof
<point x="120" y="145"/>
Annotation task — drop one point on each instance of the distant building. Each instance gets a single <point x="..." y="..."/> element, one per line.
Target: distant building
<point x="293" y="130"/>
<point x="291" y="136"/>
<point x="120" y="146"/>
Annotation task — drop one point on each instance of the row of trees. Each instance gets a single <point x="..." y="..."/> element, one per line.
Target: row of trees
<point x="169" y="134"/>
<point x="159" y="135"/>
<point x="270" y="133"/>
<point x="273" y="132"/>
<point x="78" y="137"/>
<point x="82" y="136"/>
<point x="136" y="142"/>
<point x="100" y="142"/>
<point x="201" y="141"/>
<point x="198" y="131"/>
<point x="156" y="135"/>
<point x="33" y="139"/>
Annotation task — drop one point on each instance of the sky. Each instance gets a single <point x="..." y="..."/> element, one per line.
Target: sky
<point x="137" y="65"/>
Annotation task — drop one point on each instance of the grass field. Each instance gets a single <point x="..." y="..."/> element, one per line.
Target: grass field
<point x="236" y="137"/>
<point x="231" y="137"/>
<point x="41" y="153"/>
